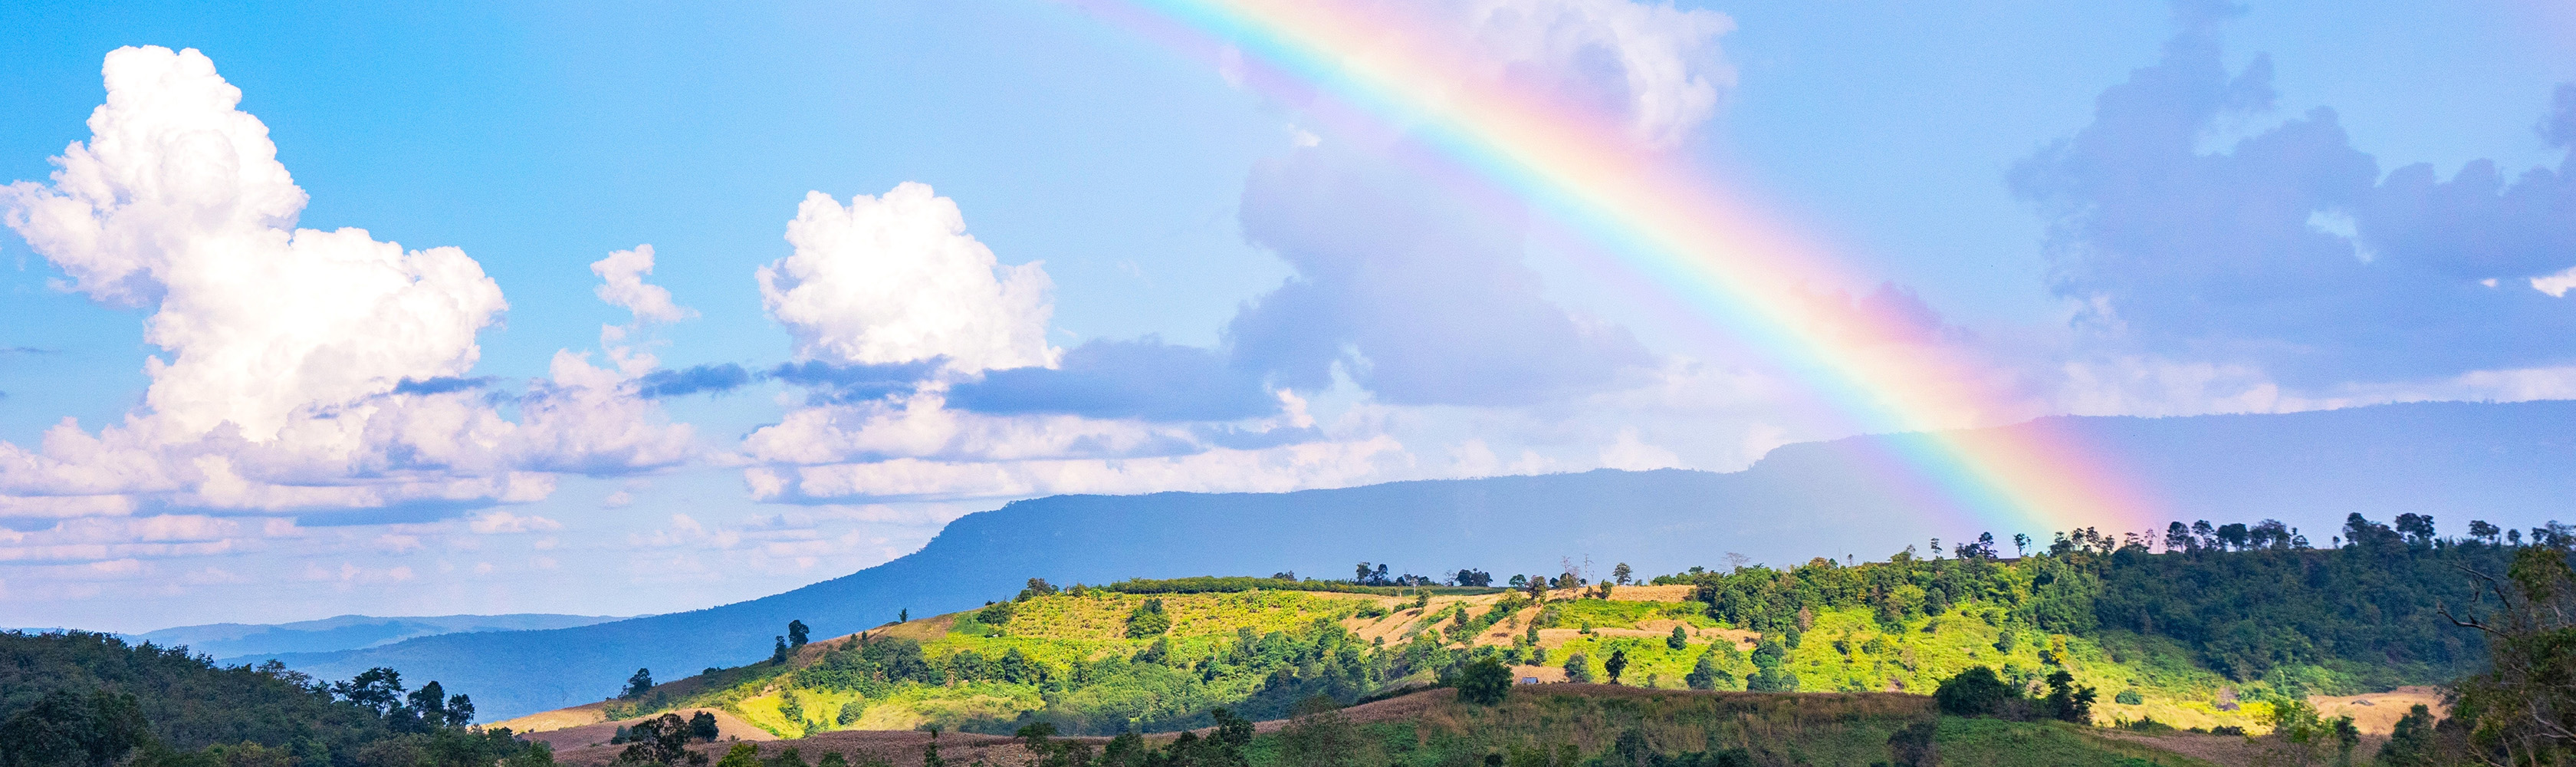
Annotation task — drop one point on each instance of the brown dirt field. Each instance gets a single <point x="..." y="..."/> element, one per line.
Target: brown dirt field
<point x="728" y="727"/>
<point x="2380" y="714"/>
<point x="1650" y="593"/>
<point x="1555" y="638"/>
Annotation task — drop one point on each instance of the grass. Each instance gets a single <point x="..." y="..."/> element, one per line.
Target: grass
<point x="1807" y="728"/>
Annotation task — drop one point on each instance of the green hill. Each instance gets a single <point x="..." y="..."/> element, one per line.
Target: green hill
<point x="2212" y="635"/>
<point x="81" y="698"/>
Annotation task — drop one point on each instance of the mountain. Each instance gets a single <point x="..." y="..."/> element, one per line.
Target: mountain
<point x="2513" y="464"/>
<point x="226" y="641"/>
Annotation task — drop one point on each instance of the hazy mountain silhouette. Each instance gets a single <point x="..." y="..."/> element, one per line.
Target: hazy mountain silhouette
<point x="227" y="641"/>
<point x="2512" y="464"/>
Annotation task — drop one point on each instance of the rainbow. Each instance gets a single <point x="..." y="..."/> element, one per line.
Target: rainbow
<point x="1674" y="229"/>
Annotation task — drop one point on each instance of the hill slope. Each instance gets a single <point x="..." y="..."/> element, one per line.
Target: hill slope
<point x="226" y="641"/>
<point x="2509" y="463"/>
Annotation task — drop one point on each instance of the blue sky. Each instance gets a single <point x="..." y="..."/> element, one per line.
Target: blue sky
<point x="1940" y="149"/>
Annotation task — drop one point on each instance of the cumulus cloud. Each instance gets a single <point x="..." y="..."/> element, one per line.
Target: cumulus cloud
<point x="897" y="279"/>
<point x="2288" y="251"/>
<point x="1655" y="65"/>
<point x="622" y="285"/>
<point x="1419" y="295"/>
<point x="301" y="369"/>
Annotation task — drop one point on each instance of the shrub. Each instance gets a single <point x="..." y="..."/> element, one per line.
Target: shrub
<point x="2129" y="698"/>
<point x="1484" y="682"/>
<point x="1147" y="620"/>
<point x="1974" y="692"/>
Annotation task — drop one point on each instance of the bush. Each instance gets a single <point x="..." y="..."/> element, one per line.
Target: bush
<point x="1484" y="682"/>
<point x="2129" y="698"/>
<point x="996" y="614"/>
<point x="1148" y="620"/>
<point x="1974" y="692"/>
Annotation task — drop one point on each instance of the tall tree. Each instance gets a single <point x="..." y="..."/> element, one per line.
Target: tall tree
<point x="2523" y="705"/>
<point x="796" y="634"/>
<point x="637" y="685"/>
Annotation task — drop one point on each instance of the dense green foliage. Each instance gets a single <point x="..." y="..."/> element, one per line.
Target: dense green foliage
<point x="89" y="699"/>
<point x="2360" y="615"/>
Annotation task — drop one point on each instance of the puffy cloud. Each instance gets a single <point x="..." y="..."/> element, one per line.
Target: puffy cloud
<point x="896" y="279"/>
<point x="622" y="285"/>
<point x="1651" y="70"/>
<point x="178" y="200"/>
<point x="1655" y="65"/>
<point x="304" y="369"/>
<point x="2288" y="251"/>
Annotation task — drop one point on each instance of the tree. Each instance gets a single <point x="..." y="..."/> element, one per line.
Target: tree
<point x="68" y="730"/>
<point x="377" y="689"/>
<point x="2418" y="529"/>
<point x="1617" y="663"/>
<point x="702" y="726"/>
<point x="1484" y="682"/>
<point x="1038" y="587"/>
<point x="2482" y="530"/>
<point x="796" y="633"/>
<point x="660" y="740"/>
<point x="2021" y="544"/>
<point x="1679" y="639"/>
<point x="1148" y="620"/>
<point x="748" y="755"/>
<point x="1974" y="692"/>
<point x="1578" y="669"/>
<point x="430" y="704"/>
<point x="1536" y="585"/>
<point x="637" y="685"/>
<point x="2412" y="743"/>
<point x="1705" y="675"/>
<point x="2524" y="704"/>
<point x="1621" y="573"/>
<point x="2067" y="702"/>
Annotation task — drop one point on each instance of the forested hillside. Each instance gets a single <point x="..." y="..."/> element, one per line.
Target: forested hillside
<point x="80" y="698"/>
<point x="2202" y="626"/>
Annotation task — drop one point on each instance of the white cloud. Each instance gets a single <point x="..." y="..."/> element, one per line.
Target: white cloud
<point x="1668" y="68"/>
<point x="301" y="369"/>
<point x="622" y="285"/>
<point x="2556" y="285"/>
<point x="897" y="279"/>
<point x="497" y="521"/>
<point x="1633" y="454"/>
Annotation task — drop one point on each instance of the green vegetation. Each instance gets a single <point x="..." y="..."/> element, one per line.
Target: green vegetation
<point x="2227" y="629"/>
<point x="92" y="700"/>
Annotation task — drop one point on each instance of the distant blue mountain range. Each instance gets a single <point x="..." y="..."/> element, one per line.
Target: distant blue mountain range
<point x="228" y="641"/>
<point x="2512" y="464"/>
